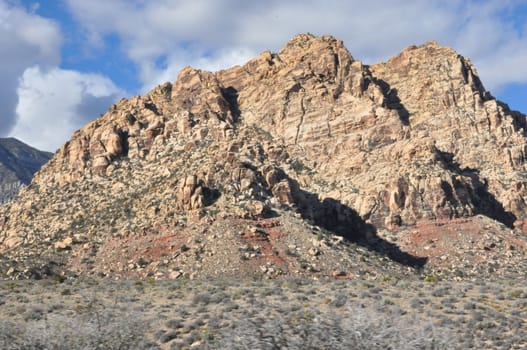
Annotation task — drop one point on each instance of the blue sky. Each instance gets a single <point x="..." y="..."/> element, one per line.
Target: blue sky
<point x="64" y="62"/>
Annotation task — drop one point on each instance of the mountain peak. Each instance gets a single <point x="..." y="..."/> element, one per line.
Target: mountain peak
<point x="307" y="39"/>
<point x="432" y="43"/>
<point x="241" y="165"/>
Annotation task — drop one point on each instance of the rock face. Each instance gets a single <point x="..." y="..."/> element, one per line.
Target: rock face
<point x="263" y="155"/>
<point x="18" y="163"/>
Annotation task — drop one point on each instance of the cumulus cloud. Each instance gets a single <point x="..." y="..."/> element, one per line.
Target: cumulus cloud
<point x="490" y="35"/>
<point x="55" y="102"/>
<point x="153" y="74"/>
<point x="25" y="39"/>
<point x="41" y="103"/>
<point x="161" y="37"/>
<point x="172" y="34"/>
<point x="200" y="32"/>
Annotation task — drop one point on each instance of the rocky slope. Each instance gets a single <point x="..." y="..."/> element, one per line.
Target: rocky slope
<point x="304" y="161"/>
<point x="18" y="163"/>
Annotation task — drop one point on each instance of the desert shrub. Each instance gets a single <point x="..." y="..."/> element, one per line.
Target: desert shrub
<point x="431" y="279"/>
<point x="202" y="298"/>
<point x="340" y="300"/>
<point x="440" y="292"/>
<point x="174" y="323"/>
<point x="516" y="293"/>
<point x="469" y="305"/>
<point x="358" y="328"/>
<point x="36" y="312"/>
<point x="97" y="329"/>
<point x="416" y="303"/>
<point x="166" y="337"/>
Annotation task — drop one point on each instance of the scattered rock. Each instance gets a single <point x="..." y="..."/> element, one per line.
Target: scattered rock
<point x="64" y="244"/>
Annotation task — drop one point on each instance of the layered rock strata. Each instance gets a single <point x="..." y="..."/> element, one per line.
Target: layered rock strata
<point x="350" y="148"/>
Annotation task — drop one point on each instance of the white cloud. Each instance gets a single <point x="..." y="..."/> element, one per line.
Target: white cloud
<point x="153" y="75"/>
<point x="25" y="39"/>
<point x="489" y="37"/>
<point x="199" y="32"/>
<point x="182" y="32"/>
<point x="161" y="37"/>
<point x="40" y="103"/>
<point x="51" y="102"/>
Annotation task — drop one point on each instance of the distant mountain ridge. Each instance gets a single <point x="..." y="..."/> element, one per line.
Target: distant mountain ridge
<point x="18" y="163"/>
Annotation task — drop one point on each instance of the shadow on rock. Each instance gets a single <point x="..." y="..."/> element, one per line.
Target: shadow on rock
<point x="340" y="219"/>
<point x="392" y="100"/>
<point x="484" y="202"/>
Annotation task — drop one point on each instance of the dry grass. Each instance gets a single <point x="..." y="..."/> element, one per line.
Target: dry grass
<point x="273" y="314"/>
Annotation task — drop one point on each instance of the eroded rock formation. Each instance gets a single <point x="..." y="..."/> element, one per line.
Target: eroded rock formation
<point x="350" y="148"/>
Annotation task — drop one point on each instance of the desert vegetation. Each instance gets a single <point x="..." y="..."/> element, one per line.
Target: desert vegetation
<point x="287" y="313"/>
<point x="179" y="219"/>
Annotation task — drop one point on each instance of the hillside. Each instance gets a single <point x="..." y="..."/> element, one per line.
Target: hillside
<point x="18" y="163"/>
<point x="301" y="162"/>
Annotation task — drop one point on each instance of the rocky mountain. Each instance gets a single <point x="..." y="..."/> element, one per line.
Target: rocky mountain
<point x="305" y="161"/>
<point x="18" y="163"/>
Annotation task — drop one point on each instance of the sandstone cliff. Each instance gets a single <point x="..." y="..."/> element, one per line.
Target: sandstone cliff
<point x="266" y="167"/>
